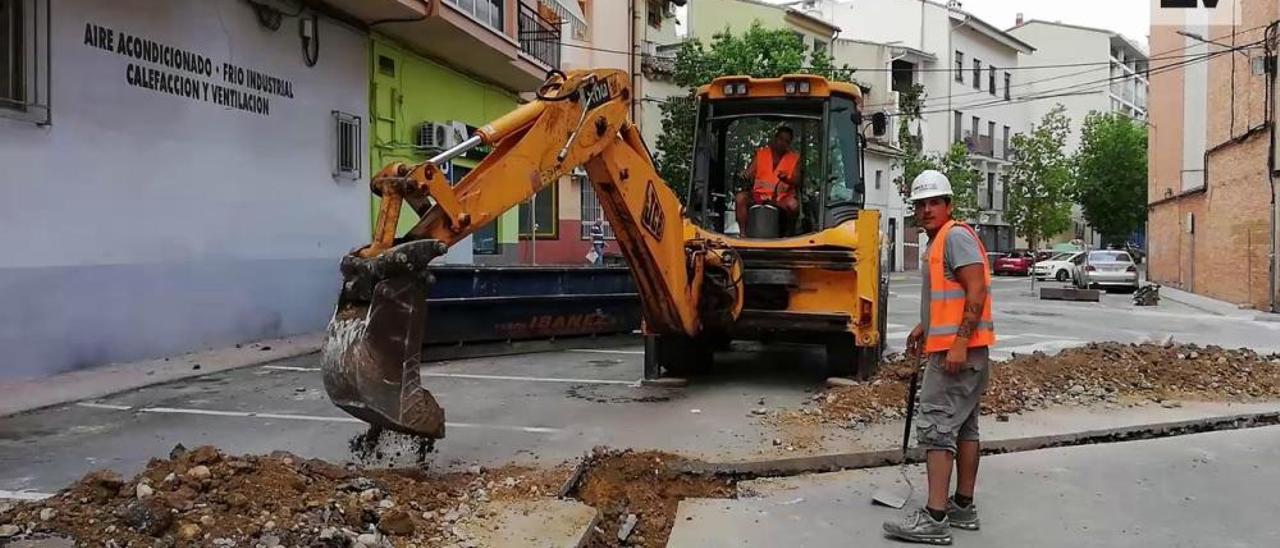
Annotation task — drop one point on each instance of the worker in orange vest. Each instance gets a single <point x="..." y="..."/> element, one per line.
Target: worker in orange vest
<point x="955" y="334"/>
<point x="774" y="173"/>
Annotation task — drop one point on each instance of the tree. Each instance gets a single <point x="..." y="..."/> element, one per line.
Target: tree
<point x="1111" y="175"/>
<point x="913" y="159"/>
<point x="958" y="168"/>
<point x="757" y="52"/>
<point x="1038" y="184"/>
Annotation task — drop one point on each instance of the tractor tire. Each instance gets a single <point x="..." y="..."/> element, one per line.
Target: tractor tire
<point x="676" y="356"/>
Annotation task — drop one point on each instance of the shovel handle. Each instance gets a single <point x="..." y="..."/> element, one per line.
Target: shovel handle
<point x="911" y="408"/>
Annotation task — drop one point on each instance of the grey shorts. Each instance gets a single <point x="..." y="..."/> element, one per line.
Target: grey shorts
<point x="948" y="406"/>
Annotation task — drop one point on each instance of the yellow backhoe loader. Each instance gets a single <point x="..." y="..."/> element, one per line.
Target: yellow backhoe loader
<point x="732" y="265"/>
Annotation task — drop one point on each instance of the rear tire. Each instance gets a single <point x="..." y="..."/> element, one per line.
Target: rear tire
<point x="1062" y="276"/>
<point x="676" y="356"/>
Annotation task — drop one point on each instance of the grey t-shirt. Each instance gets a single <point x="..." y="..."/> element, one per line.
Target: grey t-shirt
<point x="962" y="250"/>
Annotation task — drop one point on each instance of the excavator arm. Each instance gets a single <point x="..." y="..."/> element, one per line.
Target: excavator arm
<point x="371" y="355"/>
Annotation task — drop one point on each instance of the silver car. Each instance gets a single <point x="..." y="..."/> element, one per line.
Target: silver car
<point x="1106" y="269"/>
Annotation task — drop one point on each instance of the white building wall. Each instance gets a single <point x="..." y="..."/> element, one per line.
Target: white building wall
<point x="1059" y="45"/>
<point x="141" y="223"/>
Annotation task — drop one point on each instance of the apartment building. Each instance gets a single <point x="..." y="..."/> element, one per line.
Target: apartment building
<point x="882" y="91"/>
<point x="1100" y="71"/>
<point x="1211" y="220"/>
<point x="964" y="64"/>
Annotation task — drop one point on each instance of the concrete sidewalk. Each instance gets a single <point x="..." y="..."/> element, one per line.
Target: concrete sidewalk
<point x="1211" y="490"/>
<point x="28" y="394"/>
<point x="1215" y="306"/>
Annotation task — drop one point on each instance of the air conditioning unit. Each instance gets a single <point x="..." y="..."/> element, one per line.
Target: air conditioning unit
<point x="433" y="135"/>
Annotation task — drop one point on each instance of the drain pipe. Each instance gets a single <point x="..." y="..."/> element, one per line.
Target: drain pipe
<point x="1272" y="70"/>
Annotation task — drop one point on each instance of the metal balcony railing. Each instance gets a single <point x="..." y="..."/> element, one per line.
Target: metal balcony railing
<point x="979" y="144"/>
<point x="538" y="37"/>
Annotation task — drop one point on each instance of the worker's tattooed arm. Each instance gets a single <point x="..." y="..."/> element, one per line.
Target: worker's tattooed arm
<point x="974" y="281"/>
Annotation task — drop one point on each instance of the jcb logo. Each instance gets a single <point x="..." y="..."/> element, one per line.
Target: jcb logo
<point x="653" y="219"/>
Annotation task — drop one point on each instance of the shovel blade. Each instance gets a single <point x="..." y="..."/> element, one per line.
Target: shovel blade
<point x="373" y="346"/>
<point x="889" y="498"/>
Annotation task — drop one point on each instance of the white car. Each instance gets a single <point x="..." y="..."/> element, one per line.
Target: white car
<point x="1058" y="267"/>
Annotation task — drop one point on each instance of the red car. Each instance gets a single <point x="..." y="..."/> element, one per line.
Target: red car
<point x="1016" y="263"/>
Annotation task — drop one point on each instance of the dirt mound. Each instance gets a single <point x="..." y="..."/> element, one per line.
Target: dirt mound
<point x="647" y="485"/>
<point x="1111" y="374"/>
<point x="203" y="497"/>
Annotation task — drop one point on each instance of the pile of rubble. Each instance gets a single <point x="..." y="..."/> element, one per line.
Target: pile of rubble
<point x="637" y="494"/>
<point x="1107" y="374"/>
<point x="202" y="497"/>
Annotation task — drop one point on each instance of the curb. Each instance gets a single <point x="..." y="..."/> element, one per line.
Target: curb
<point x="32" y="394"/>
<point x="792" y="466"/>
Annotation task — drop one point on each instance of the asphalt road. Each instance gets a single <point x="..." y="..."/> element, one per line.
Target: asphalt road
<point x="544" y="407"/>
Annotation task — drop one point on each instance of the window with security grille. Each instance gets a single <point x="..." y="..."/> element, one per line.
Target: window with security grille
<point x="347" y="143"/>
<point x="591" y="210"/>
<point x="13" y="89"/>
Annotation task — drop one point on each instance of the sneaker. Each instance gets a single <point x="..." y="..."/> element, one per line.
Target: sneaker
<point x="919" y="526"/>
<point x="962" y="517"/>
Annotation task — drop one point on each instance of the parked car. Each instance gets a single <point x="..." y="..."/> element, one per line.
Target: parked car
<point x="1016" y="263"/>
<point x="1107" y="269"/>
<point x="1058" y="267"/>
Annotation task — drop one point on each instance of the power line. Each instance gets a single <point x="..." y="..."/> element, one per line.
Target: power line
<point x="1159" y="56"/>
<point x="1084" y="87"/>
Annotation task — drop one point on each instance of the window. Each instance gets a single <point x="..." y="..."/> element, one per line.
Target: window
<point x="24" y="71"/>
<point x="1007" y="144"/>
<point x="655" y="13"/>
<point x="591" y="209"/>
<point x="1007" y="79"/>
<point x="974" y="132"/>
<point x="879" y="177"/>
<point x="977" y="74"/>
<point x="991" y="79"/>
<point x="799" y="36"/>
<point x="991" y="130"/>
<point x="546" y="214"/>
<point x="819" y="45"/>
<point x="347" y="144"/>
<point x="960" y="66"/>
<point x="13" y="91"/>
<point x="958" y="124"/>
<point x="488" y="12"/>
<point x="991" y="189"/>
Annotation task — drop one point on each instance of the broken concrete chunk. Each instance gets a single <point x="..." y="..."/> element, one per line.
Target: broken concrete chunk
<point x="200" y="472"/>
<point x="628" y="525"/>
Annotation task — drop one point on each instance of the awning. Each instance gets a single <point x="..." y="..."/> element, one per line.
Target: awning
<point x="570" y="11"/>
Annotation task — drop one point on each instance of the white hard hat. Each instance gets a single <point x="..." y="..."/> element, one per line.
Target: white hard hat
<point x="930" y="183"/>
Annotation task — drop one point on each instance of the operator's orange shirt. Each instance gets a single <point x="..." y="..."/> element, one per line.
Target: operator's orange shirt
<point x="768" y="179"/>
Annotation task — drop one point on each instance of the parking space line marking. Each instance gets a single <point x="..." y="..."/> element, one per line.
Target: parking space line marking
<point x="605" y="351"/>
<point x="104" y="406"/>
<point x="528" y="379"/>
<point x="23" y="495"/>
<point x="318" y="418"/>
<point x="290" y="368"/>
<point x="481" y="377"/>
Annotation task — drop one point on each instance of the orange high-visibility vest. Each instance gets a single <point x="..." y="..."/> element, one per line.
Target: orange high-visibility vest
<point x="767" y="179"/>
<point x="946" y="298"/>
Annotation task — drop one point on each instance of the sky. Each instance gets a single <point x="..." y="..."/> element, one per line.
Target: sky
<point x="1129" y="17"/>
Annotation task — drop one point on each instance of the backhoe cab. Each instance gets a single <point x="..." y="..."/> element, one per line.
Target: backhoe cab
<point x="811" y="275"/>
<point x="779" y="249"/>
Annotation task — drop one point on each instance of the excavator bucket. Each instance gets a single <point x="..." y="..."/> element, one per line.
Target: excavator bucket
<point x="373" y="347"/>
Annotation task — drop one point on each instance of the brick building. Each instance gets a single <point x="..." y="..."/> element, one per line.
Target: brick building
<point x="1211" y="211"/>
